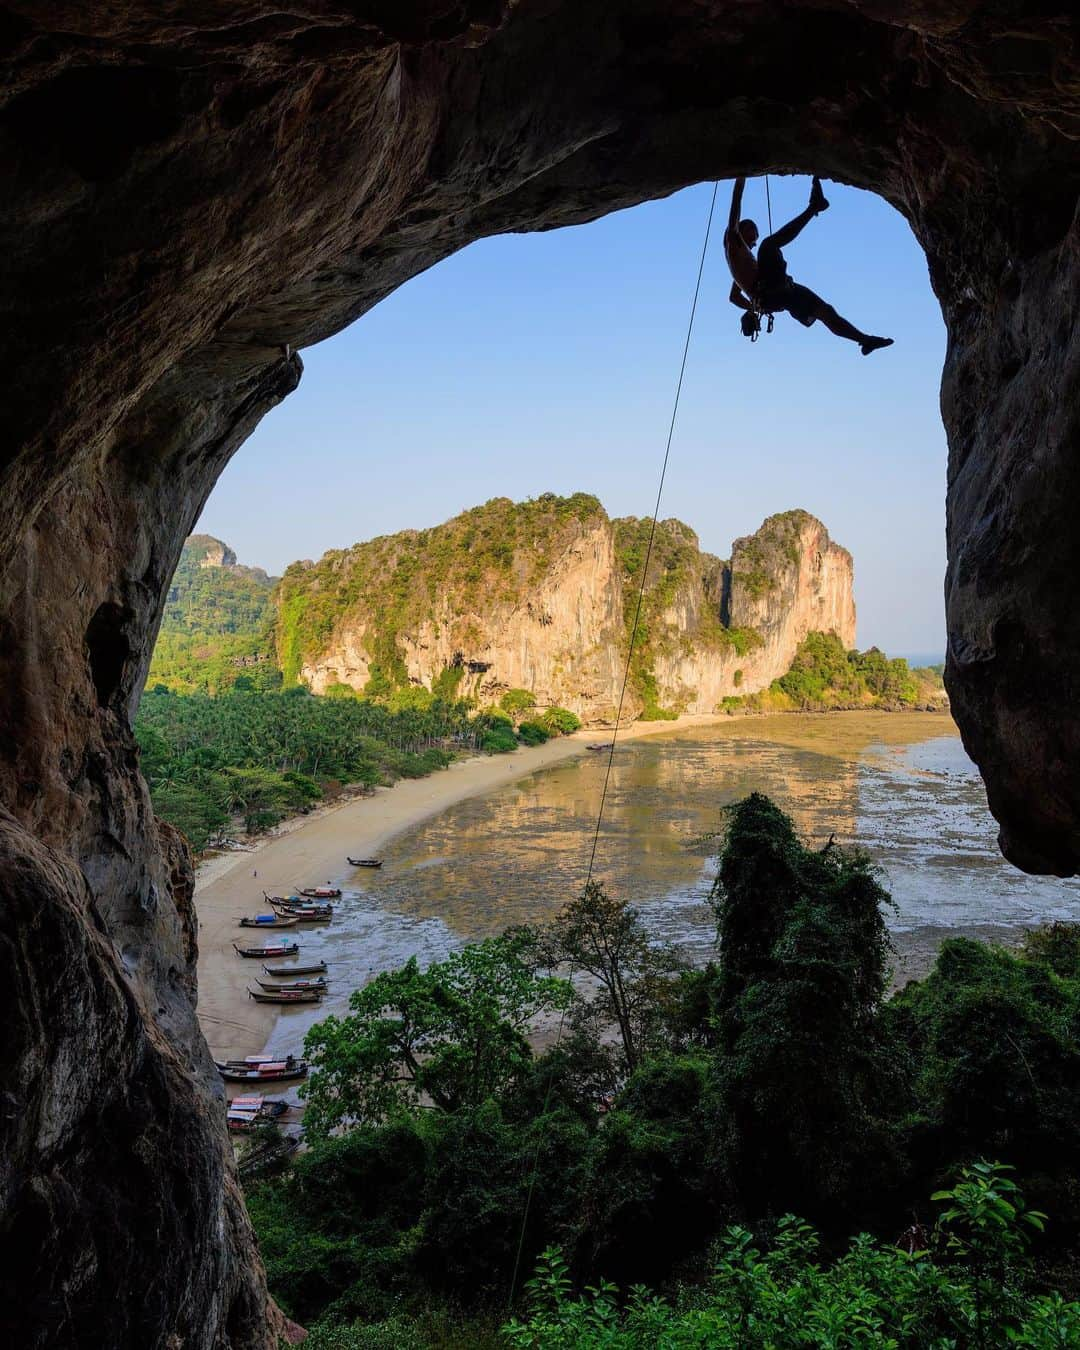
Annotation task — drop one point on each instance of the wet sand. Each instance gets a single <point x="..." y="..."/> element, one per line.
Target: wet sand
<point x="311" y="851"/>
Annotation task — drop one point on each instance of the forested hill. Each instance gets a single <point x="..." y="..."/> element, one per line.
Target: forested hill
<point x="218" y="624"/>
<point x="541" y="595"/>
<point x="538" y="598"/>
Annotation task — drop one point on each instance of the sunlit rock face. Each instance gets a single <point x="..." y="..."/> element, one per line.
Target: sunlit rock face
<point x="191" y="193"/>
<point x="557" y="624"/>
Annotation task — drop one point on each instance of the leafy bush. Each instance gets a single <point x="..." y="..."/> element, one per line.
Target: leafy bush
<point x="560" y="721"/>
<point x="498" y="742"/>
<point x="533" y="733"/>
<point x="993" y="1041"/>
<point x="806" y="1080"/>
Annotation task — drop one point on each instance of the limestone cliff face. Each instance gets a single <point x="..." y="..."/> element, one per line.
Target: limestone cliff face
<point x="204" y="552"/>
<point x="785" y="581"/>
<point x="554" y="619"/>
<point x="213" y="553"/>
<point x="560" y="639"/>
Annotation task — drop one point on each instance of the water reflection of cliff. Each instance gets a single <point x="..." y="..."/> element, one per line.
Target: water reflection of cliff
<point x="898" y="784"/>
<point x="516" y="857"/>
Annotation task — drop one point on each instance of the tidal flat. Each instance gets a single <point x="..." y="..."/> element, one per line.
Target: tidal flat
<point x="897" y="784"/>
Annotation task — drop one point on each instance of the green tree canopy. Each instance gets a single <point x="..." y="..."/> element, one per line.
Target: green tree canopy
<point x="453" y="1033"/>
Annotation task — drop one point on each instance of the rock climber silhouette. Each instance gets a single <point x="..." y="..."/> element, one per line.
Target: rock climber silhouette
<point x="762" y="284"/>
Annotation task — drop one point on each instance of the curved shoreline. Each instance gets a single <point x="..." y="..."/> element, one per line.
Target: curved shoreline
<point x="310" y="850"/>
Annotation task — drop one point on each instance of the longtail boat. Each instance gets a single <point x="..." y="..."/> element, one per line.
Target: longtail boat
<point x="363" y="862"/>
<point x="292" y="986"/>
<point x="316" y="968"/>
<point x="277" y="1071"/>
<point x="321" y="892"/>
<point x="245" y="1113"/>
<point x="275" y="949"/>
<point x="300" y="908"/>
<point x="268" y="921"/>
<point x="287" y="996"/>
<point x="253" y="1061"/>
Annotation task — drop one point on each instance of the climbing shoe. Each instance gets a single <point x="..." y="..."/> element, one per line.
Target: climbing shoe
<point x="872" y="344"/>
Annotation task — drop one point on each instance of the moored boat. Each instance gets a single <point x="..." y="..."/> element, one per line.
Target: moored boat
<point x="311" y="912"/>
<point x="363" y="862"/>
<point x="268" y="921"/>
<point x="320" y="892"/>
<point x="275" y="949"/>
<point x="253" y="1061"/>
<point x="292" y="986"/>
<point x="245" y="1113"/>
<point x="287" y="996"/>
<point x="275" y="1071"/>
<point x="285" y="972"/>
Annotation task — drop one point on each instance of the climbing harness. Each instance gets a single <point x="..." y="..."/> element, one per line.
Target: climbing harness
<point x="618" y="714"/>
<point x="750" y="323"/>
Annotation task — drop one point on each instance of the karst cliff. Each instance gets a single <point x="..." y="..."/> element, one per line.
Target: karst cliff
<point x="194" y="192"/>
<point x="541" y="596"/>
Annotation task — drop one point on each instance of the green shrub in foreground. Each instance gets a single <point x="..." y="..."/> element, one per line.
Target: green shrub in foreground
<point x="968" y="1291"/>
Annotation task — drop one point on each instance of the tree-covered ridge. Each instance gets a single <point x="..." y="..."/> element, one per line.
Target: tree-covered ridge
<point x="225" y="623"/>
<point x="218" y="623"/>
<point x="490" y="554"/>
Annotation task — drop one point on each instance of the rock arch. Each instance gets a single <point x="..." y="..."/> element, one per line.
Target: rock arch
<point x="188" y="200"/>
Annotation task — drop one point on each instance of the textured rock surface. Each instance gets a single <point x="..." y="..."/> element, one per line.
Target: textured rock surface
<point x="190" y="187"/>
<point x="560" y="632"/>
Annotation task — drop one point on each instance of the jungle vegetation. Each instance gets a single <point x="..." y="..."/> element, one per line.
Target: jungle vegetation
<point x="632" y="1181"/>
<point x="245" y="759"/>
<point x="218" y="624"/>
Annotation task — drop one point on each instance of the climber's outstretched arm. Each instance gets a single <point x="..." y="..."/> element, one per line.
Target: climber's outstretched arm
<point x="736" y="205"/>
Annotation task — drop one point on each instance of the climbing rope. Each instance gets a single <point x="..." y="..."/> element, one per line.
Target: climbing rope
<point x="622" y="698"/>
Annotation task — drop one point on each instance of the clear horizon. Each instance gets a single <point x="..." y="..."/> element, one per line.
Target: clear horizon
<point x="547" y="362"/>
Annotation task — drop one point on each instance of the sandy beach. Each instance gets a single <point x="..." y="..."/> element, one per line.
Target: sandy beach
<point x="311" y="851"/>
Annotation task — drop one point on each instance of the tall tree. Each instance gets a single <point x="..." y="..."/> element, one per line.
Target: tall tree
<point x="805" y="1083"/>
<point x="604" y="937"/>
<point x="453" y="1034"/>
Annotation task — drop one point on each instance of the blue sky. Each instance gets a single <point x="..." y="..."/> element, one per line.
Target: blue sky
<point x="547" y="363"/>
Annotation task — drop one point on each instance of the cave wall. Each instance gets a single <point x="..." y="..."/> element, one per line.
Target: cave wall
<point x="192" y="192"/>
